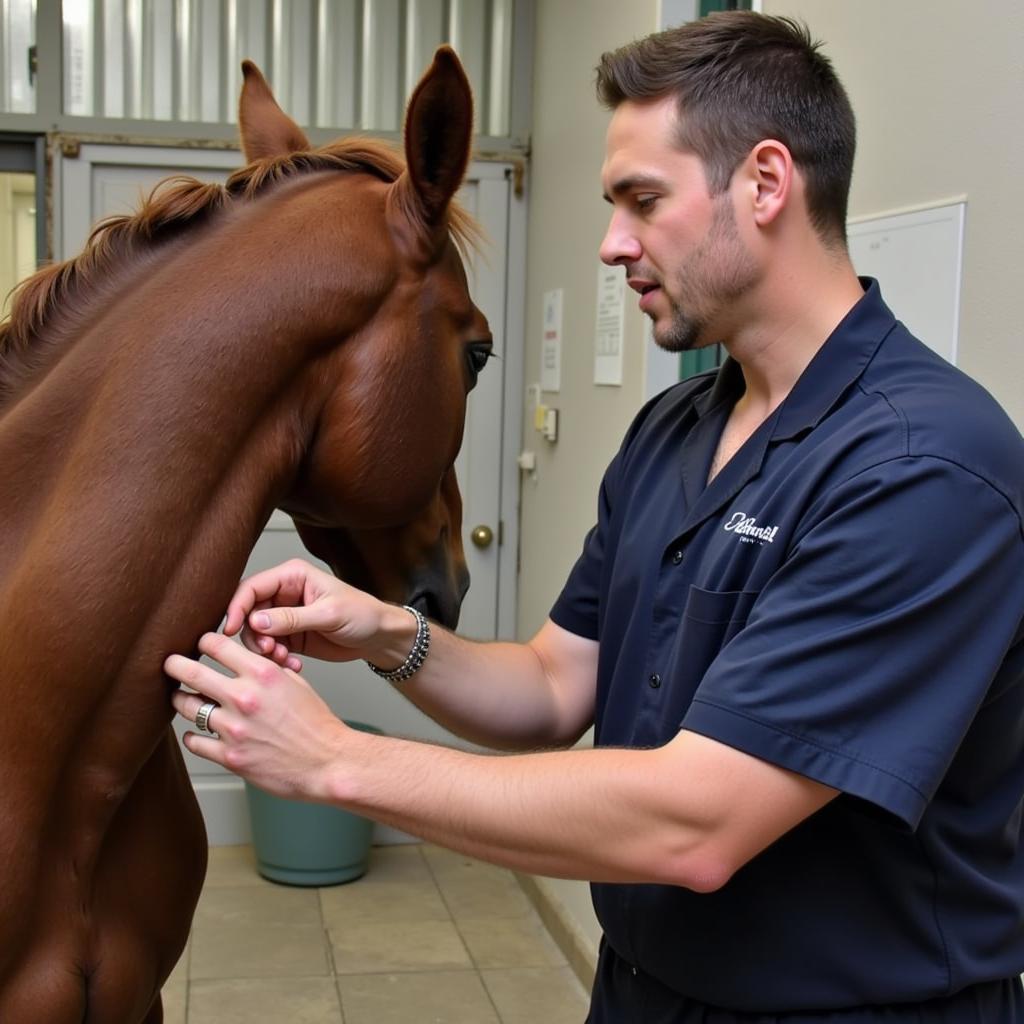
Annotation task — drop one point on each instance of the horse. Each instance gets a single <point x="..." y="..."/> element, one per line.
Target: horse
<point x="300" y="338"/>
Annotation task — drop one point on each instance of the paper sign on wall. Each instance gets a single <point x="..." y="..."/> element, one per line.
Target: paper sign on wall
<point x="611" y="294"/>
<point x="551" y="343"/>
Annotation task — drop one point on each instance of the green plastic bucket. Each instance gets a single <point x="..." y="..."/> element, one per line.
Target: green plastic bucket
<point x="299" y="843"/>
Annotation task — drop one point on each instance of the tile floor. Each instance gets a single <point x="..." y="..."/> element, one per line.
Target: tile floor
<point x="425" y="936"/>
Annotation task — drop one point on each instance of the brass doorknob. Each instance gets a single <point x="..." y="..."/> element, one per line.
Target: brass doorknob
<point x="482" y="536"/>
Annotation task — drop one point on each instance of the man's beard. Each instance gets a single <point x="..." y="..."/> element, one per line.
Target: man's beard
<point x="718" y="272"/>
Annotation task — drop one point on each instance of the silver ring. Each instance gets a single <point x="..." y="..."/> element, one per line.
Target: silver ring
<point x="203" y="717"/>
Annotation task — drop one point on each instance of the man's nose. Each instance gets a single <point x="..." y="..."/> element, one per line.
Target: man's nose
<point x="620" y="245"/>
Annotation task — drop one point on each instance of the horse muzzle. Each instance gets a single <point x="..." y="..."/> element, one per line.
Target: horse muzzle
<point x="439" y="597"/>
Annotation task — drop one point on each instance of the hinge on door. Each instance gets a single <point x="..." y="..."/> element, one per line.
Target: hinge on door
<point x="517" y="172"/>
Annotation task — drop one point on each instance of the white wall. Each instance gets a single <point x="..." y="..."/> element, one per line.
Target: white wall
<point x="567" y="221"/>
<point x="936" y="86"/>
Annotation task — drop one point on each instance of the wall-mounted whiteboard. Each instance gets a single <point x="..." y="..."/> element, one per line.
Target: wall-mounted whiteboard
<point x="917" y="258"/>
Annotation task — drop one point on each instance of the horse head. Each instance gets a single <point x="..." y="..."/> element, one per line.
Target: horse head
<point x="375" y="495"/>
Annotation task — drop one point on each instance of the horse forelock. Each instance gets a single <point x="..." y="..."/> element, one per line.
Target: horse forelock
<point x="65" y="291"/>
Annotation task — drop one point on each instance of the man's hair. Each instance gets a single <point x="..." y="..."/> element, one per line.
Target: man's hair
<point x="739" y="77"/>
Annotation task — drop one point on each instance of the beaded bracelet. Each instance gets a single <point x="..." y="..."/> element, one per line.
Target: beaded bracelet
<point x="418" y="654"/>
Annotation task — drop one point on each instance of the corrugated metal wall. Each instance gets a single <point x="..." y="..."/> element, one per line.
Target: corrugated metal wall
<point x="333" y="63"/>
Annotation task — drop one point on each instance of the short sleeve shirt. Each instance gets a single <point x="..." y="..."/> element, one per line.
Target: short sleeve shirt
<point x="845" y="600"/>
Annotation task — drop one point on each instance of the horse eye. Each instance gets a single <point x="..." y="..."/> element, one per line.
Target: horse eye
<point x="478" y="354"/>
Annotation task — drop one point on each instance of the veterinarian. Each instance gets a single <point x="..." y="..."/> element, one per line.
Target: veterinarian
<point x="796" y="625"/>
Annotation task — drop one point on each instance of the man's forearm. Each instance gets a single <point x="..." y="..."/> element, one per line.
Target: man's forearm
<point x="502" y="695"/>
<point x="601" y="815"/>
<point x="689" y="813"/>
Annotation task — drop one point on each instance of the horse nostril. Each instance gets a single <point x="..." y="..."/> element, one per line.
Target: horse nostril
<point x="449" y="617"/>
<point x="438" y="593"/>
<point x="442" y="608"/>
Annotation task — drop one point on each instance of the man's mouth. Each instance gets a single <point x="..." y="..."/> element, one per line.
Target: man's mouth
<point x="645" y="287"/>
<point x="646" y="295"/>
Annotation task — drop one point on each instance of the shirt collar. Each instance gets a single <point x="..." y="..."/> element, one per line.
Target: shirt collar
<point x="836" y="365"/>
<point x="728" y="386"/>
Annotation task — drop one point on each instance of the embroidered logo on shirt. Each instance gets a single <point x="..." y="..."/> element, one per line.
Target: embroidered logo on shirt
<point x="750" y="532"/>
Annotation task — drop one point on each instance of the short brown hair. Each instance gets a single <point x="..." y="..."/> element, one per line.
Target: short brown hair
<point x="740" y="77"/>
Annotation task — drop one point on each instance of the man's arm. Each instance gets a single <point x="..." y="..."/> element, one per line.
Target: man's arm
<point x="503" y="695"/>
<point x="689" y="813"/>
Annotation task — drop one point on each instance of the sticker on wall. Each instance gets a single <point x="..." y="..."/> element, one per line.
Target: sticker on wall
<point x="611" y="300"/>
<point x="551" y="343"/>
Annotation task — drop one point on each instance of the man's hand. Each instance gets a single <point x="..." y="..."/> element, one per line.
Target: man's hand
<point x="296" y="608"/>
<point x="272" y="727"/>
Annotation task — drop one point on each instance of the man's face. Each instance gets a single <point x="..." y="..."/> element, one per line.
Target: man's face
<point x="679" y="244"/>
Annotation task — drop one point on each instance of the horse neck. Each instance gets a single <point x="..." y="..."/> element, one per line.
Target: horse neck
<point x="156" y="447"/>
<point x="193" y="353"/>
<point x="125" y="530"/>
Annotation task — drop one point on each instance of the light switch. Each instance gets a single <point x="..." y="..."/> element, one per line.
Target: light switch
<point x="550" y="430"/>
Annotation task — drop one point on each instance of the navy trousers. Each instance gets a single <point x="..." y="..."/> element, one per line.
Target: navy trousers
<point x="625" y="995"/>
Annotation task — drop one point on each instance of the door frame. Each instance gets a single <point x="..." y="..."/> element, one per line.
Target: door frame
<point x="25" y="153"/>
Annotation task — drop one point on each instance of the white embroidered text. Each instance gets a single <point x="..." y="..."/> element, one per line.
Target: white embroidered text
<point x="747" y="526"/>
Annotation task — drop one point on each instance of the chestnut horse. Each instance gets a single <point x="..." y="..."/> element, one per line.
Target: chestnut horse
<point x="300" y="338"/>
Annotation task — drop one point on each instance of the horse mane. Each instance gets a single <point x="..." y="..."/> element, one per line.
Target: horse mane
<point x="175" y="205"/>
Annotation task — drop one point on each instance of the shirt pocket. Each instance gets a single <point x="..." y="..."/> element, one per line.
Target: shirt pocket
<point x="711" y="619"/>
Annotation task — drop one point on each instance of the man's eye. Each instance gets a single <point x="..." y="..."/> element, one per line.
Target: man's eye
<point x="645" y="202"/>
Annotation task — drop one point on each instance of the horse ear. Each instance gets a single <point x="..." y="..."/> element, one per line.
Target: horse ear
<point x="266" y="130"/>
<point x="438" y="140"/>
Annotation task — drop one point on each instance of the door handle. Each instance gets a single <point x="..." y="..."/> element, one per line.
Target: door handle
<point x="482" y="536"/>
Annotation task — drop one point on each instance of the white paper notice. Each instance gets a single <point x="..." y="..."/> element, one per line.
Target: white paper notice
<point x="611" y="298"/>
<point x="551" y="345"/>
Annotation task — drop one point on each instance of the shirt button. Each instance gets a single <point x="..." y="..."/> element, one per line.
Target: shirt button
<point x="655" y="680"/>
<point x="633" y="971"/>
<point x="677" y="557"/>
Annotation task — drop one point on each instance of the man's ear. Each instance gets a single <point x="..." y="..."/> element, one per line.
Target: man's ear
<point x="266" y="130"/>
<point x="768" y="180"/>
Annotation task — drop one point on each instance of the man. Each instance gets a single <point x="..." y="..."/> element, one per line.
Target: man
<point x="797" y="624"/>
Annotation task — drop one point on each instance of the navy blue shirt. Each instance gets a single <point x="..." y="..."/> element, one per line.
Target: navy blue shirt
<point x="845" y="599"/>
